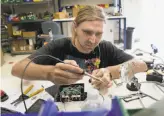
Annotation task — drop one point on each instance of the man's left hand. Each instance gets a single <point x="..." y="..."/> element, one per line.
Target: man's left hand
<point x="105" y="76"/>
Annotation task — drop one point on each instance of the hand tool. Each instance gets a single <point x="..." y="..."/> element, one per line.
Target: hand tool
<point x="19" y="99"/>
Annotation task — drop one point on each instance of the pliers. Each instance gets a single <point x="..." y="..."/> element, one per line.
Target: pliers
<point x="25" y="96"/>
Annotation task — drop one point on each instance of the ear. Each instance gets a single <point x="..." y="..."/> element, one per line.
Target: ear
<point x="74" y="25"/>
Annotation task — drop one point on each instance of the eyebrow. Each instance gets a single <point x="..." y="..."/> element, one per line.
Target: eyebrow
<point x="88" y="30"/>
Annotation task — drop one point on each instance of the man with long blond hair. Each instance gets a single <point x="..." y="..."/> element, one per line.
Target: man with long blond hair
<point x="84" y="50"/>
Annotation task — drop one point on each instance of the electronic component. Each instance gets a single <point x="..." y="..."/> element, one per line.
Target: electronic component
<point x="73" y="92"/>
<point x="154" y="76"/>
<point x="137" y="96"/>
<point x="159" y="67"/>
<point x="133" y="97"/>
<point x="133" y="85"/>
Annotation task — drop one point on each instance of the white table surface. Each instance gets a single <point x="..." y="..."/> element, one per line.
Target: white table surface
<point x="14" y="92"/>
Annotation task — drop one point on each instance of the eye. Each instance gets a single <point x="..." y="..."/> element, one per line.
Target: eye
<point x="98" y="34"/>
<point x="87" y="32"/>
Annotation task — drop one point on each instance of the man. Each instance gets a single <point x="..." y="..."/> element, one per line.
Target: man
<point x="84" y="50"/>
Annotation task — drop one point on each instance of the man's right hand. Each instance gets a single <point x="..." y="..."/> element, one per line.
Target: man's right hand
<point x="66" y="73"/>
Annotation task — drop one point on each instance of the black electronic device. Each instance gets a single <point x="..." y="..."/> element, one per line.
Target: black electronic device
<point x="73" y="92"/>
<point x="35" y="108"/>
<point x="53" y="90"/>
<point x="8" y="111"/>
<point x="66" y="93"/>
<point x="154" y="76"/>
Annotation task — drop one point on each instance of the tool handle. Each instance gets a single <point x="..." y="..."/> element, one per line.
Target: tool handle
<point x="28" y="89"/>
<point x="36" y="92"/>
<point x="91" y="76"/>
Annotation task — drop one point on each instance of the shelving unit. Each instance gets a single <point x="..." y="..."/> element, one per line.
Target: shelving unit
<point x="27" y="3"/>
<point x="25" y="23"/>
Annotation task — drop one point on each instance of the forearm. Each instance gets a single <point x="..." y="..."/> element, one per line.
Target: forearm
<point x="136" y="66"/>
<point x="33" y="71"/>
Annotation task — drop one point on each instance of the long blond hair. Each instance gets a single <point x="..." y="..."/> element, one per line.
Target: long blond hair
<point x="87" y="13"/>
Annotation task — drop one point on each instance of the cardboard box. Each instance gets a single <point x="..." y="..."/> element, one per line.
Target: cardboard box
<point x="28" y="48"/>
<point x="31" y="47"/>
<point x="60" y="15"/>
<point x="22" y="44"/>
<point x="15" y="48"/>
<point x="15" y="45"/>
<point x="16" y="31"/>
<point x="9" y="29"/>
<point x="31" y="34"/>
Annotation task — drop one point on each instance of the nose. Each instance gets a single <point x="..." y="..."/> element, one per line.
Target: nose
<point x="93" y="39"/>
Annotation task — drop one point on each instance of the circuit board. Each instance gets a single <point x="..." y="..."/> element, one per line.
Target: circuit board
<point x="73" y="92"/>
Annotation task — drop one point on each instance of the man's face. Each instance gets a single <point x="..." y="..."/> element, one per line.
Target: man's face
<point x="89" y="34"/>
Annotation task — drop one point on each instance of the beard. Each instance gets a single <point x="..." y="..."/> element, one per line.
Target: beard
<point x="85" y="46"/>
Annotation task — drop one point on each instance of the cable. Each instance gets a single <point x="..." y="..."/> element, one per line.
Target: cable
<point x="158" y="83"/>
<point x="159" y="58"/>
<point x="102" y="97"/>
<point x="159" y="88"/>
<point x="57" y="59"/>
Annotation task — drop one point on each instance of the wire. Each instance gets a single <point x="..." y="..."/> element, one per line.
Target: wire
<point x="159" y="88"/>
<point x="149" y="54"/>
<point x="102" y="98"/>
<point x="159" y="58"/>
<point x="57" y="59"/>
<point x="158" y="83"/>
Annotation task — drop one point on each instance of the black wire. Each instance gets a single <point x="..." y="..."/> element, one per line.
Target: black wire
<point x="102" y="98"/>
<point x="57" y="59"/>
